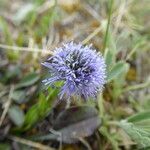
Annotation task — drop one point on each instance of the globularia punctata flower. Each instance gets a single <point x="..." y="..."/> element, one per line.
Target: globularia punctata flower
<point x="82" y="69"/>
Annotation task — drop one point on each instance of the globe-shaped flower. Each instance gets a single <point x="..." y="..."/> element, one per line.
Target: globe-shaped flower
<point x="82" y="69"/>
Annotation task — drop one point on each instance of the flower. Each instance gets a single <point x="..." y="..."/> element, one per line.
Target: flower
<point x="82" y="69"/>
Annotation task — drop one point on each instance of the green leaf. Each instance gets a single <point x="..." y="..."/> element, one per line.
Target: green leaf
<point x="31" y="117"/>
<point x="28" y="80"/>
<point x="109" y="55"/>
<point x="40" y="109"/>
<point x="116" y="71"/>
<point x="44" y="105"/>
<point x="23" y="12"/>
<point x="139" y="135"/>
<point x="18" y="96"/>
<point x="146" y="102"/>
<point x="11" y="72"/>
<point x="5" y="30"/>
<point x="139" y="117"/>
<point x="16" y="115"/>
<point x="121" y="78"/>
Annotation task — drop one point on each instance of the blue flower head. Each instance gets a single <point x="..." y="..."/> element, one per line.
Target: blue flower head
<point x="82" y="69"/>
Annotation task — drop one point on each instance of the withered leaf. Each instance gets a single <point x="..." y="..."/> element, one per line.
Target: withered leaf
<point x="74" y="123"/>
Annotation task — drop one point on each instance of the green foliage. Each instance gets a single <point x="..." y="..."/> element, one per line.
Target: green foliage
<point x="139" y="117"/>
<point x="136" y="133"/>
<point x="103" y="130"/>
<point x="116" y="70"/>
<point x="40" y="110"/>
<point x="28" y="80"/>
<point x="10" y="73"/>
<point x="18" y="96"/>
<point x="5" y="146"/>
<point x="5" y="31"/>
<point x="16" y="115"/>
<point x="124" y="39"/>
<point x="134" y="126"/>
<point x="31" y="117"/>
<point x="23" y="12"/>
<point x="109" y="58"/>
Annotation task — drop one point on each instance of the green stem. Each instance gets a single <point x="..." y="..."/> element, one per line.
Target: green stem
<point x="101" y="105"/>
<point x="108" y="24"/>
<point x="110" y="138"/>
<point x="137" y="87"/>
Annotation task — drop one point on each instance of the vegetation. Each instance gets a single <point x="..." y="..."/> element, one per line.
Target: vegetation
<point x="31" y="116"/>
